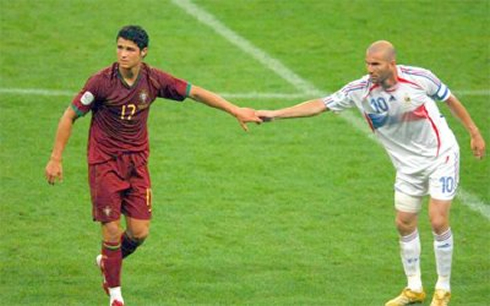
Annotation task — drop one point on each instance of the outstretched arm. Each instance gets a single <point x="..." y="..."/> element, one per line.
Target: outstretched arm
<point x="306" y="109"/>
<point x="54" y="169"/>
<point x="460" y="112"/>
<point x="242" y="114"/>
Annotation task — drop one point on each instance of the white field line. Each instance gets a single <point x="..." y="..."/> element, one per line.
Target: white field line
<point x="248" y="95"/>
<point x="246" y="46"/>
<point x="298" y="82"/>
<point x="474" y="203"/>
<point x="36" y="92"/>
<point x="317" y="94"/>
<point x="476" y="92"/>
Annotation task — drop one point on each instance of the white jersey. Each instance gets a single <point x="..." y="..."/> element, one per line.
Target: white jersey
<point x="405" y="118"/>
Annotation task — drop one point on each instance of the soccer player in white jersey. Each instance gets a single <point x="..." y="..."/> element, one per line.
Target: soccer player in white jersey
<point x="399" y="104"/>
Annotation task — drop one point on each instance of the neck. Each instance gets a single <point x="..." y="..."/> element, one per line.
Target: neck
<point x="130" y="74"/>
<point x="390" y="81"/>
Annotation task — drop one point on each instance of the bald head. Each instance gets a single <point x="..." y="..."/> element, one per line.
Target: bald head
<point x="381" y="63"/>
<point x="382" y="48"/>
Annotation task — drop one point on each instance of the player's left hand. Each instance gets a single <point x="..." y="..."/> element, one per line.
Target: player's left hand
<point x="244" y="115"/>
<point x="478" y="146"/>
<point x="265" y="115"/>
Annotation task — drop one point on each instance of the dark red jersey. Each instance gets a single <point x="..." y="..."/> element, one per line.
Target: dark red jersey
<point x="120" y="111"/>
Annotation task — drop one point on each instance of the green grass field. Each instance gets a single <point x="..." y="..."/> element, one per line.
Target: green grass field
<point x="296" y="212"/>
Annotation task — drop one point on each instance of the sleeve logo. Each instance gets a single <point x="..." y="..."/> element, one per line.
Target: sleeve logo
<point x="87" y="98"/>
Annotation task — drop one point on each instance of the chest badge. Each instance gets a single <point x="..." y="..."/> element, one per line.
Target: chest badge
<point x="143" y="99"/>
<point x="143" y="96"/>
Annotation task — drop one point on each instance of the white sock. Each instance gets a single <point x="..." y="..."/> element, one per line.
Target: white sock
<point x="410" y="255"/>
<point x="115" y="294"/>
<point x="443" y="250"/>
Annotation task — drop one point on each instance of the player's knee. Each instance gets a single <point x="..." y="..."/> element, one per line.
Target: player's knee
<point x="140" y="238"/>
<point x="439" y="223"/>
<point x="140" y="234"/>
<point x="407" y="208"/>
<point x="439" y="215"/>
<point x="111" y="231"/>
<point x="403" y="223"/>
<point x="406" y="226"/>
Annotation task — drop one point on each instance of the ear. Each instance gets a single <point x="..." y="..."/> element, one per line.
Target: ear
<point x="144" y="52"/>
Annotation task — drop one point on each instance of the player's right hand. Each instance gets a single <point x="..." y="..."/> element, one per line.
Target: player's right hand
<point x="54" y="171"/>
<point x="244" y="115"/>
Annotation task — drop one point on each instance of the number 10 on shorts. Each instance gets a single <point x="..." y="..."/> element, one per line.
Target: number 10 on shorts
<point x="447" y="183"/>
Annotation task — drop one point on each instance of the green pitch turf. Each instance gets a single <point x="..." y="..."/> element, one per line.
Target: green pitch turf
<point x="296" y="212"/>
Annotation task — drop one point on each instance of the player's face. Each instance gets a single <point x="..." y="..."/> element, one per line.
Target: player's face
<point x="380" y="70"/>
<point x="129" y="55"/>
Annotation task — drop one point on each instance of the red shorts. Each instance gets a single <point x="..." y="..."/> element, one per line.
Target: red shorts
<point x="120" y="185"/>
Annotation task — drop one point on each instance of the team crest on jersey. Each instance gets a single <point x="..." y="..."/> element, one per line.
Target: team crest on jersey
<point x="143" y="96"/>
<point x="87" y="98"/>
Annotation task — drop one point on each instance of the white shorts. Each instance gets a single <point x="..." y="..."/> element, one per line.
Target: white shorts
<point x="440" y="179"/>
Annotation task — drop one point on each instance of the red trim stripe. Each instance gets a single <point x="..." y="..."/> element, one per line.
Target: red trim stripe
<point x="371" y="89"/>
<point x="434" y="127"/>
<point x="369" y="122"/>
<point x="421" y="73"/>
<point x="402" y="80"/>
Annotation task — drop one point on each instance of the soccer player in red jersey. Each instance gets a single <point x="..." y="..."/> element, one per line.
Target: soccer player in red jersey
<point x="119" y="97"/>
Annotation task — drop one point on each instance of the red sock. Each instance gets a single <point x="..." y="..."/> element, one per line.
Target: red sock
<point x="112" y="259"/>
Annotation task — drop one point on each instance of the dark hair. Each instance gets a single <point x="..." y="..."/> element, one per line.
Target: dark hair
<point x="135" y="34"/>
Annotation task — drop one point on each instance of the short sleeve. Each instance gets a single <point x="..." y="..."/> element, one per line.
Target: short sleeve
<point x="85" y="99"/>
<point x="170" y="87"/>
<point x="341" y="100"/>
<point x="431" y="84"/>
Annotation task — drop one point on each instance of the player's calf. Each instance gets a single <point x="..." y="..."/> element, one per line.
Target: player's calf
<point x="130" y="244"/>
